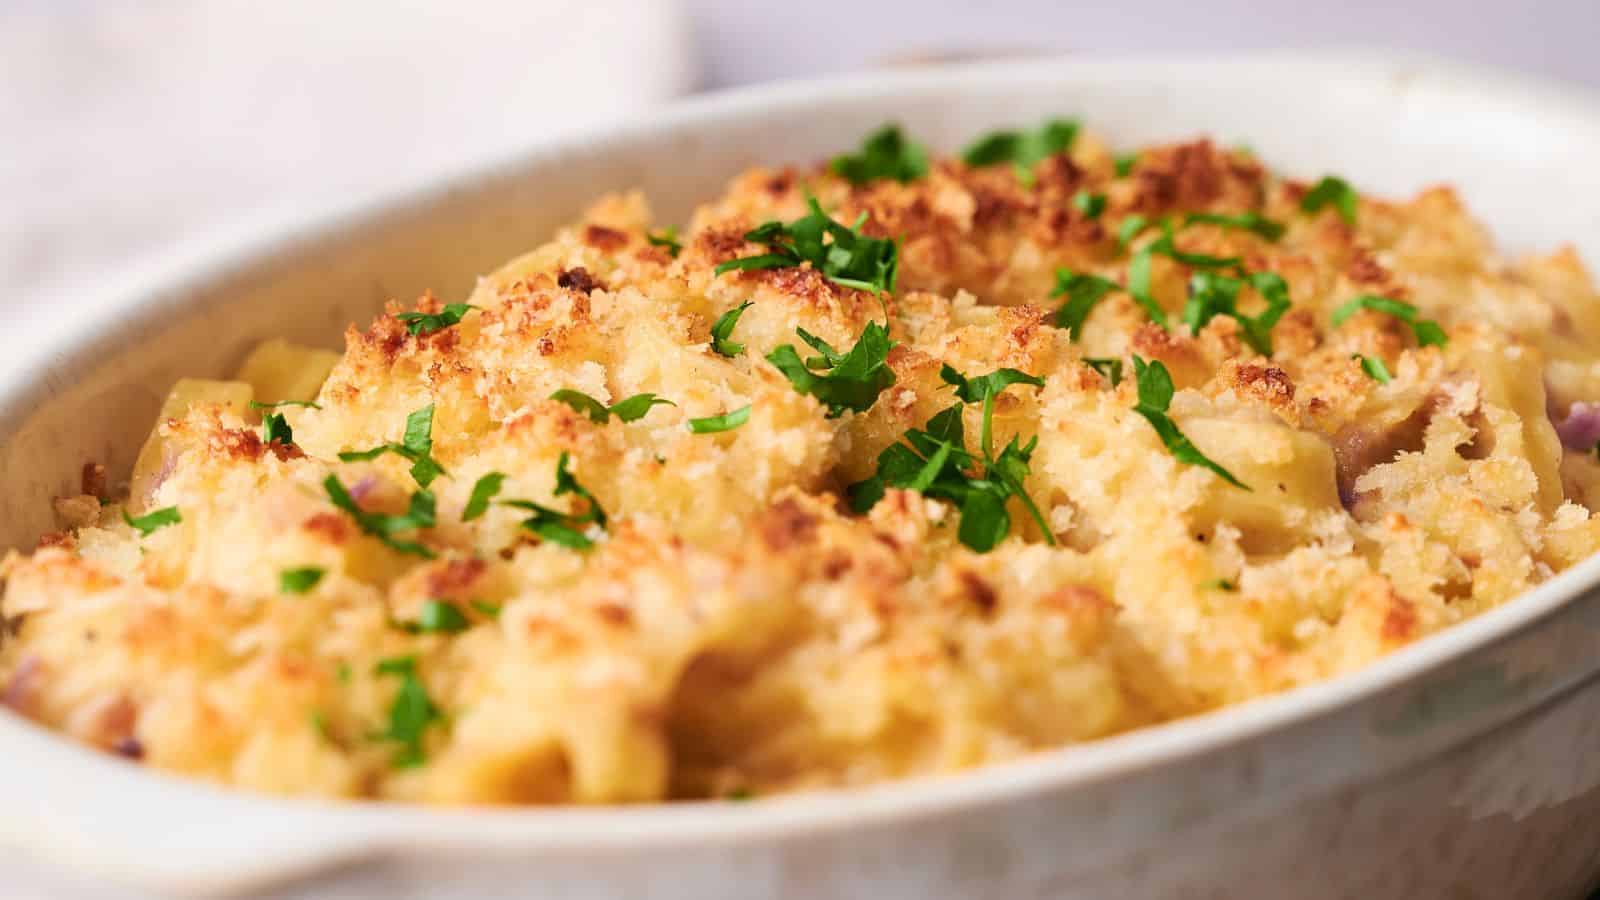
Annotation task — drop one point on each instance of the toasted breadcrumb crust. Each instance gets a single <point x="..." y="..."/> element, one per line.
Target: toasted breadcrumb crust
<point x="736" y="629"/>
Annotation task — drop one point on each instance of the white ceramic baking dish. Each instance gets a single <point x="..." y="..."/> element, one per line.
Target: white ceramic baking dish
<point x="1464" y="766"/>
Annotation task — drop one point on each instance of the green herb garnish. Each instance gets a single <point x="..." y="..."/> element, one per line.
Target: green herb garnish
<point x="1155" y="396"/>
<point x="1426" y="331"/>
<point x="839" y="381"/>
<point x="1125" y="163"/>
<point x="274" y="427"/>
<point x="306" y="403"/>
<point x="1023" y="149"/>
<point x="483" y="491"/>
<point x="886" y="153"/>
<point x="1332" y="190"/>
<point x="419" y="323"/>
<point x="384" y="527"/>
<point x="668" y="238"/>
<point x="1083" y="292"/>
<point x="489" y="610"/>
<point x="1139" y="269"/>
<point x="558" y="527"/>
<point x="849" y="259"/>
<point x="1212" y="295"/>
<point x="1109" y="367"/>
<point x="299" y="581"/>
<point x="1374" y="368"/>
<point x="440" y="617"/>
<point x="1218" y="584"/>
<point x="725" y="422"/>
<point x="627" y="410"/>
<point x="722" y="330"/>
<point x="1255" y="223"/>
<point x="416" y="445"/>
<point x="935" y="462"/>
<point x="1130" y="229"/>
<point x="154" y="520"/>
<point x="1091" y="205"/>
<point x="410" y="714"/>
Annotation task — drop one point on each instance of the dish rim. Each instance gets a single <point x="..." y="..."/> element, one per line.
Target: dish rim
<point x="154" y="290"/>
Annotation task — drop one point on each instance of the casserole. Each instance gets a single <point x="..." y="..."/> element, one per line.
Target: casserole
<point x="1259" y="793"/>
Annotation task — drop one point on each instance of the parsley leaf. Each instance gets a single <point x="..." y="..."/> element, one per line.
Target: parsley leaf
<point x="628" y="410"/>
<point x="725" y="422"/>
<point x="410" y="714"/>
<point x="934" y="461"/>
<point x="1426" y="331"/>
<point x="482" y="492"/>
<point x="850" y="259"/>
<point x="299" y="581"/>
<point x="558" y="527"/>
<point x="1110" y="368"/>
<point x="439" y="617"/>
<point x="1155" y="396"/>
<point x="1023" y="149"/>
<point x="154" y="520"/>
<point x="1374" y="367"/>
<point x="886" y="153"/>
<point x="1125" y="163"/>
<point x="383" y="526"/>
<point x="1082" y="292"/>
<point x="419" y="323"/>
<point x="1091" y="205"/>
<point x="1139" y="268"/>
<point x="274" y="427"/>
<point x="668" y="238"/>
<point x="1332" y="190"/>
<point x="1211" y="295"/>
<point x="851" y="381"/>
<point x="489" y="610"/>
<point x="416" y="445"/>
<point x="1218" y="584"/>
<point x="1255" y="223"/>
<point x="1130" y="229"/>
<point x="306" y="403"/>
<point x="722" y="329"/>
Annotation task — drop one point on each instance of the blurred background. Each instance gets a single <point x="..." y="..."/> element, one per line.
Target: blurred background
<point x="130" y="125"/>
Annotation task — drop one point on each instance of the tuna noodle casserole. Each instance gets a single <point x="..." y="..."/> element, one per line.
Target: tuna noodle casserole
<point x="885" y="467"/>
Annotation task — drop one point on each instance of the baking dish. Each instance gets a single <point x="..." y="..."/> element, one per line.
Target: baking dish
<point x="1465" y="765"/>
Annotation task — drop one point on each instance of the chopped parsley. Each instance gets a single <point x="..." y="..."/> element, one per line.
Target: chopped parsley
<point x="489" y="610"/>
<point x="886" y="153"/>
<point x="383" y="526"/>
<point x="299" y="581"/>
<point x="1374" y="368"/>
<point x="850" y="259"/>
<point x="419" y="323"/>
<point x="1130" y="229"/>
<point x="558" y="527"/>
<point x="1426" y="331"/>
<point x="1091" y="205"/>
<point x="1253" y="222"/>
<point x="1155" y="396"/>
<point x="1212" y="295"/>
<point x="1109" y="368"/>
<point x="722" y="330"/>
<point x="439" y="617"/>
<point x="1082" y="291"/>
<point x="1139" y="268"/>
<point x="1335" y="191"/>
<point x="154" y="520"/>
<point x="1219" y="584"/>
<point x="254" y="404"/>
<point x="1023" y="149"/>
<point x="410" y="714"/>
<point x="668" y="238"/>
<point x="627" y="410"/>
<point x="725" y="422"/>
<point x="840" y="381"/>
<point x="416" y="446"/>
<point x="1125" y="163"/>
<point x="935" y="462"/>
<point x="274" y="427"/>
<point x="482" y="492"/>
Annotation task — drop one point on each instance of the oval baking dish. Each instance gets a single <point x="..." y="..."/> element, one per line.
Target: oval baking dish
<point x="1463" y="764"/>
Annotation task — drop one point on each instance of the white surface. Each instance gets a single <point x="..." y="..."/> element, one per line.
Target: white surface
<point x="1347" y="781"/>
<point x="129" y="125"/>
